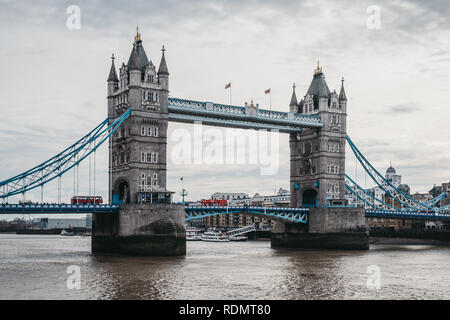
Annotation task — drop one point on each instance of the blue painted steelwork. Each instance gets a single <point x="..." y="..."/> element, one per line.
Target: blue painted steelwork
<point x="290" y="214"/>
<point x="299" y="215"/>
<point x="404" y="214"/>
<point x="62" y="162"/>
<point x="231" y="123"/>
<point x="57" y="208"/>
<point x="363" y="195"/>
<point x="400" y="197"/>
<point x="182" y="110"/>
<point x="435" y="200"/>
<point x="444" y="209"/>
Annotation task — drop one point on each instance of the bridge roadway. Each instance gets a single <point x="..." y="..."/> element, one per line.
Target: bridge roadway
<point x="299" y="215"/>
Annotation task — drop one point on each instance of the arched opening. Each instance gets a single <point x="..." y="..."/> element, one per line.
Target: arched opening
<point x="309" y="199"/>
<point x="122" y="193"/>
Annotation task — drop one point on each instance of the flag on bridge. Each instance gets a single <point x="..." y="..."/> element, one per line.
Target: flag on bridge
<point x="228" y="86"/>
<point x="270" y="97"/>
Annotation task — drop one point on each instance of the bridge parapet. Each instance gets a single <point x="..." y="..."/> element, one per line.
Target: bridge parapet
<point x="229" y="112"/>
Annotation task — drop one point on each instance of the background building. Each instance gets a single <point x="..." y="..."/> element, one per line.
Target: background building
<point x="63" y="223"/>
<point x="231" y="221"/>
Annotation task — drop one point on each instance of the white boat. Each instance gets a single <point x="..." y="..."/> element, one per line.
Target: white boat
<point x="238" y="238"/>
<point x="214" y="235"/>
<point x="66" y="233"/>
<point x="193" y="234"/>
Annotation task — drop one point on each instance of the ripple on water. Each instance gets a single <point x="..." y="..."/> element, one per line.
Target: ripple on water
<point x="35" y="266"/>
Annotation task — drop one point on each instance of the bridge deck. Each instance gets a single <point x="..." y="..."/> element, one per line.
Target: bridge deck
<point x="189" y="111"/>
<point x="57" y="208"/>
<point x="198" y="212"/>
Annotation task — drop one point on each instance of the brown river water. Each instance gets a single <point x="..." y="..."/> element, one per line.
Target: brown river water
<point x="36" y="266"/>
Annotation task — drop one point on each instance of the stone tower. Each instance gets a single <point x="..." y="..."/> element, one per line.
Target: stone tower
<point x="147" y="222"/>
<point x="318" y="177"/>
<point x="318" y="155"/>
<point x="138" y="148"/>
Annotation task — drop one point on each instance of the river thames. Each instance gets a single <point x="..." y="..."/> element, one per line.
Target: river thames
<point x="35" y="267"/>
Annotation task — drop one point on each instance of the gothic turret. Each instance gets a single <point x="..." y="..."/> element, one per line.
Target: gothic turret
<point x="163" y="72"/>
<point x="318" y="88"/>
<point x="342" y="96"/>
<point x="293" y="105"/>
<point x="163" y="66"/>
<point x="113" y="84"/>
<point x="112" y="72"/>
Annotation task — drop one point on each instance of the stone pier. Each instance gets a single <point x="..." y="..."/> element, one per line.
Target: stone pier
<point x="327" y="228"/>
<point x="141" y="229"/>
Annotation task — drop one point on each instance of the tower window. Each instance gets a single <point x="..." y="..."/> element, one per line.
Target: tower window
<point x="149" y="131"/>
<point x="142" y="131"/>
<point x="155" y="131"/>
<point x="154" y="157"/>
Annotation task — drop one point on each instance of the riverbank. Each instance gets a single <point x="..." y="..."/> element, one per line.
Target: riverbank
<point x="407" y="241"/>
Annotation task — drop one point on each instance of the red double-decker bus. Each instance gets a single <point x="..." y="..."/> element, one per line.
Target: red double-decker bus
<point x="208" y="202"/>
<point x="87" y="200"/>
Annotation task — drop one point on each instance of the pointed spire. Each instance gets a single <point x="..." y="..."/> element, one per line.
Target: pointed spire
<point x="323" y="92"/>
<point x="342" y="95"/>
<point x="133" y="61"/>
<point x="112" y="73"/>
<point x="162" y="65"/>
<point x="294" y="97"/>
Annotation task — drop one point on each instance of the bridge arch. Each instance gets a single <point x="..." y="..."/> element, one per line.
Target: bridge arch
<point x="309" y="199"/>
<point x="273" y="213"/>
<point x="121" y="193"/>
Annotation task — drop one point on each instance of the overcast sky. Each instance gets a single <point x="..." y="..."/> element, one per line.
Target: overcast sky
<point x="397" y="78"/>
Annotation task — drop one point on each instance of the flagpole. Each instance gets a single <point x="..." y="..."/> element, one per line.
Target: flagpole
<point x="270" y="97"/>
<point x="230" y="95"/>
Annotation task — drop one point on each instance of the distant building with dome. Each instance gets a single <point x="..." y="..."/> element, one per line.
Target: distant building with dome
<point x="378" y="192"/>
<point x="395" y="224"/>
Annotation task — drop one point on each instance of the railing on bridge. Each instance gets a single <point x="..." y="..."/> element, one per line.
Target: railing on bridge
<point x="239" y="231"/>
<point x="57" y="208"/>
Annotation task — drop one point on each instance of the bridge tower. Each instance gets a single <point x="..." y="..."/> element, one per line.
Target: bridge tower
<point x="148" y="223"/>
<point x="318" y="176"/>
<point x="318" y="155"/>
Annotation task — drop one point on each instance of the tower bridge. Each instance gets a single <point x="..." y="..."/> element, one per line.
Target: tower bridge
<point x="141" y="218"/>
